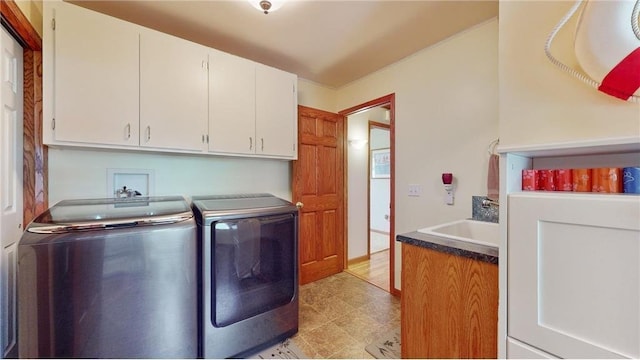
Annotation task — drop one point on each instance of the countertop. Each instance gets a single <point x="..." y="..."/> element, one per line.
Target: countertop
<point x="473" y="251"/>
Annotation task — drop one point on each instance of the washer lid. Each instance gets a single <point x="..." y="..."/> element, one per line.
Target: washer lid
<point x="238" y="202"/>
<point x="89" y="214"/>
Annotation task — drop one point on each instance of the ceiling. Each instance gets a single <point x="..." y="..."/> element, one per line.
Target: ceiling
<point x="329" y="42"/>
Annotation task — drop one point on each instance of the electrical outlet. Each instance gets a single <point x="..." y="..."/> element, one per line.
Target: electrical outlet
<point x="415" y="190"/>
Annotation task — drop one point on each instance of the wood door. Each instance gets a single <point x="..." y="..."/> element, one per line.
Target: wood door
<point x="318" y="183"/>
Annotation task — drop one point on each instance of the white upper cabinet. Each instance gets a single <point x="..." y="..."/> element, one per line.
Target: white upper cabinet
<point x="252" y="108"/>
<point x="173" y="92"/>
<point x="276" y="112"/>
<point x="91" y="62"/>
<point x="108" y="83"/>
<point x="232" y="104"/>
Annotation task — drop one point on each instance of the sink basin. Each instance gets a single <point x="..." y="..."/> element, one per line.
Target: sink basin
<point x="472" y="231"/>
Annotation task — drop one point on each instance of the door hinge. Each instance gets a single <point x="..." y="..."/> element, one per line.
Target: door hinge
<point x="205" y="65"/>
<point x="53" y="23"/>
<point x="53" y="124"/>
<point x="294" y="147"/>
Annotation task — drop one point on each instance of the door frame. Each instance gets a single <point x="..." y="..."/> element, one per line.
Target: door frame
<point x="386" y="100"/>
<point x="35" y="155"/>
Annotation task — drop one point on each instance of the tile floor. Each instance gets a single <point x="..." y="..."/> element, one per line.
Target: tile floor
<point x="342" y="314"/>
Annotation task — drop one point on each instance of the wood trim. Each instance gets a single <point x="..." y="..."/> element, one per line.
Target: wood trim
<point x="345" y="191"/>
<point x="381" y="101"/>
<point x="390" y="101"/>
<point x="19" y="25"/>
<point x="358" y="259"/>
<point x="35" y="168"/>
<point x="379" y="125"/>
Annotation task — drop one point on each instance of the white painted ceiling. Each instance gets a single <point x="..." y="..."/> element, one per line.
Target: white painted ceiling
<point x="328" y="42"/>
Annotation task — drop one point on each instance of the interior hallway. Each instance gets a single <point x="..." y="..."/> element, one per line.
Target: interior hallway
<point x="375" y="270"/>
<point x="342" y="314"/>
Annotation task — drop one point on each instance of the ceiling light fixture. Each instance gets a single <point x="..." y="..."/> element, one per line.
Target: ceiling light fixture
<point x="266" y="6"/>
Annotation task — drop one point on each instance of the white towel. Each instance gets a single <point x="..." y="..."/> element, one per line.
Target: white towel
<point x="247" y="248"/>
<point x="493" y="178"/>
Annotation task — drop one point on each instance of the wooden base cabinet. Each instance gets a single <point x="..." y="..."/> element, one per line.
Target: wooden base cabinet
<point x="449" y="305"/>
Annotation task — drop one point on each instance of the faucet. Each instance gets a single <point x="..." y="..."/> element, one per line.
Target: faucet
<point x="488" y="202"/>
<point x="126" y="193"/>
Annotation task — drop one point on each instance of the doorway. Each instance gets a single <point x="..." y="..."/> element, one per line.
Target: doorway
<point x="370" y="167"/>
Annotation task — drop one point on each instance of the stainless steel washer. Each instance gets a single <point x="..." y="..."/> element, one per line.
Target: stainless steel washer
<point x="109" y="278"/>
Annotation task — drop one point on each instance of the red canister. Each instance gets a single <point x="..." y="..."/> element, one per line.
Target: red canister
<point x="563" y="180"/>
<point x="607" y="180"/>
<point x="531" y="180"/>
<point x="547" y="179"/>
<point x="581" y="180"/>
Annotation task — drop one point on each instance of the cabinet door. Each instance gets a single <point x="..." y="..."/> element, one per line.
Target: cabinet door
<point x="276" y="113"/>
<point x="574" y="273"/>
<point x="173" y="92"/>
<point x="95" y="77"/>
<point x="232" y="104"/>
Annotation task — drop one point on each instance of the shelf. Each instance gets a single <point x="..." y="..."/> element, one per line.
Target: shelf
<point x="574" y="194"/>
<point x="601" y="146"/>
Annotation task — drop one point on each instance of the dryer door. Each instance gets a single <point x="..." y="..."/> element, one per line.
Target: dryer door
<point x="253" y="266"/>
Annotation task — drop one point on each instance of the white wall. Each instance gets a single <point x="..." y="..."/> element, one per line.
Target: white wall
<point x="357" y="162"/>
<point x="538" y="102"/>
<point x="446" y="115"/>
<point x="316" y="96"/>
<point x="32" y="10"/>
<point x="77" y="173"/>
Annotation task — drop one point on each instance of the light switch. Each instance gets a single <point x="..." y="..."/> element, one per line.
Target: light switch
<point x="415" y="190"/>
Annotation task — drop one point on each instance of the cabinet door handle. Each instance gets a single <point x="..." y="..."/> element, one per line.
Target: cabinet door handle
<point x="148" y="133"/>
<point x="250" y="143"/>
<point x="262" y="144"/>
<point x="128" y="131"/>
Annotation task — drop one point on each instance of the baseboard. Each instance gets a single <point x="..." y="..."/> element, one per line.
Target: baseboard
<point x="358" y="259"/>
<point x="379" y="231"/>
